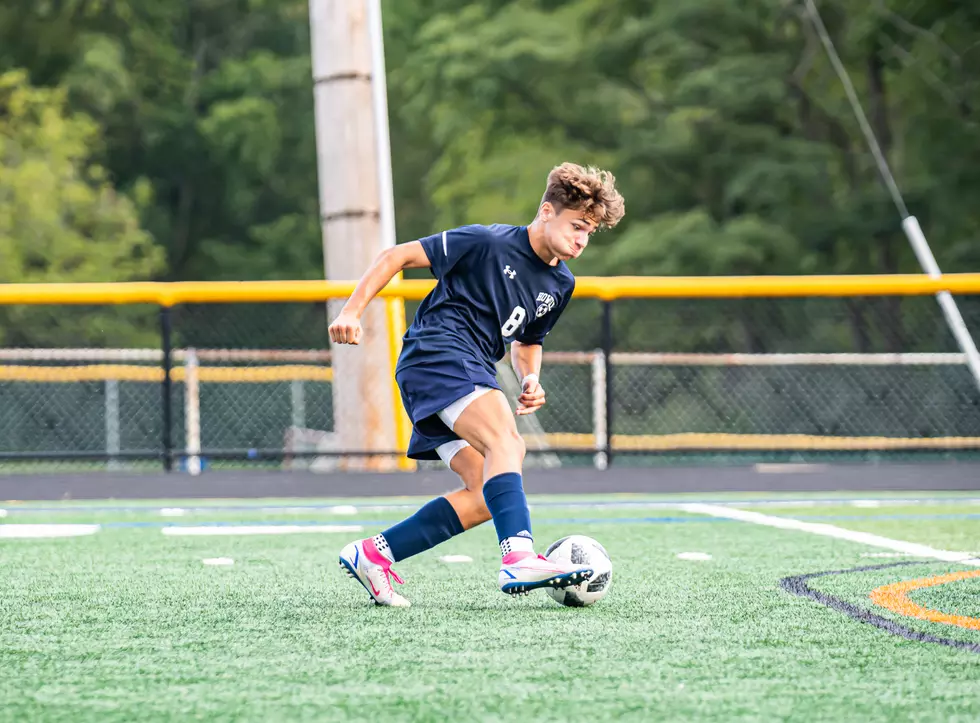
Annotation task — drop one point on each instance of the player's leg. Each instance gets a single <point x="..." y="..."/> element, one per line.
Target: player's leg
<point x="369" y="560"/>
<point x="443" y="517"/>
<point x="488" y="424"/>
<point x="468" y="502"/>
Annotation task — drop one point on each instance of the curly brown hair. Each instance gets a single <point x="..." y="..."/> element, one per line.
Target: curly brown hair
<point x="589" y="190"/>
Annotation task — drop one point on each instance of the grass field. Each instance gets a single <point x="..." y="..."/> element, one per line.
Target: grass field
<point x="129" y="624"/>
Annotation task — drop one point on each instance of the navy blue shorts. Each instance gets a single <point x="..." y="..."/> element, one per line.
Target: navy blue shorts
<point x="426" y="390"/>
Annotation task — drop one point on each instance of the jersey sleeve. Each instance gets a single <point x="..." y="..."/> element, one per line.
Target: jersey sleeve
<point x="445" y="250"/>
<point x="537" y="330"/>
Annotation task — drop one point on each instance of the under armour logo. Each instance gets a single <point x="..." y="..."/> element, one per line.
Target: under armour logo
<point x="508" y="271"/>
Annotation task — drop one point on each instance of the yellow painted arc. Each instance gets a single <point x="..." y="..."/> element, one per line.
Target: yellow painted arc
<point x="894" y="597"/>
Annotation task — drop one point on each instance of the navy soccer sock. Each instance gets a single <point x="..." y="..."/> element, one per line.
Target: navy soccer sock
<point x="505" y="498"/>
<point x="435" y="522"/>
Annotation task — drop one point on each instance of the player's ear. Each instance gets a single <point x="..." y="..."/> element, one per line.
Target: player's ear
<point x="547" y="211"/>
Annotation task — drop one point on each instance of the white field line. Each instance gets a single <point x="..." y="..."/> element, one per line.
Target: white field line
<point x="817" y="528"/>
<point x="42" y="531"/>
<point x="614" y="504"/>
<point x="226" y="530"/>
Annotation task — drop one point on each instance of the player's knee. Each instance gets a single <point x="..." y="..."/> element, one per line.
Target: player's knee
<point x="508" y="442"/>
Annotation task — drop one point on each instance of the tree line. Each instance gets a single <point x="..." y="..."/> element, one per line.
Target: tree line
<point x="175" y="140"/>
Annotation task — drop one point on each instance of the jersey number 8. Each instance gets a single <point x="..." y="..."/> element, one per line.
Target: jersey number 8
<point x="514" y="322"/>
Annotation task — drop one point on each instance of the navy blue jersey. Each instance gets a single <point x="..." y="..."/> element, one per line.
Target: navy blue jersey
<point x="492" y="289"/>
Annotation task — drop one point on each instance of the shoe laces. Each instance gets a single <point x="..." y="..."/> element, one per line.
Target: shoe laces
<point x="389" y="573"/>
<point x="379" y="560"/>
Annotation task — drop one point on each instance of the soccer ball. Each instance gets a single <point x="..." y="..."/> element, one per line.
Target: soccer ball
<point x="582" y="550"/>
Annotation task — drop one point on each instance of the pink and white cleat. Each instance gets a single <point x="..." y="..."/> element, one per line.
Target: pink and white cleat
<point x="521" y="572"/>
<point x="362" y="561"/>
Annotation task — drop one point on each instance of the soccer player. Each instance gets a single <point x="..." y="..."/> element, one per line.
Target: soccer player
<point x="496" y="285"/>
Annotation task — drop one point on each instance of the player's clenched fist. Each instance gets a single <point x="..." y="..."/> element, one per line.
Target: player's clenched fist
<point x="346" y="329"/>
<point x="532" y="396"/>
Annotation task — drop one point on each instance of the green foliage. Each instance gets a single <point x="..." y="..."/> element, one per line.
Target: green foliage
<point x="61" y="220"/>
<point x="730" y="134"/>
<point x="210" y="105"/>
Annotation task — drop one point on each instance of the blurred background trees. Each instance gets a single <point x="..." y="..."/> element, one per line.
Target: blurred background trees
<point x="175" y="140"/>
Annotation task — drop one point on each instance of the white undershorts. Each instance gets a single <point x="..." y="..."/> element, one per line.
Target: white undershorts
<point x="448" y="450"/>
<point x="450" y="414"/>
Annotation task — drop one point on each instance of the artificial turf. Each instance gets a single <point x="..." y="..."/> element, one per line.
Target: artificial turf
<point x="128" y="624"/>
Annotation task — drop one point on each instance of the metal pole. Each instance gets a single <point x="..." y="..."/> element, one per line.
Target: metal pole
<point x="112" y="444"/>
<point x="909" y="223"/>
<point x="950" y="310"/>
<point x="382" y="140"/>
<point x="600" y="430"/>
<point x="355" y="214"/>
<point x="166" y="344"/>
<point x="394" y="307"/>
<point x="607" y="348"/>
<point x="192" y="412"/>
<point x="297" y="398"/>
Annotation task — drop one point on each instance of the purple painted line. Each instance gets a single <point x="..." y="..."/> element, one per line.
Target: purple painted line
<point x="797" y="584"/>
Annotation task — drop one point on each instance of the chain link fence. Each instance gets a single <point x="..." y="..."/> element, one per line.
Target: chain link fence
<point x="653" y="380"/>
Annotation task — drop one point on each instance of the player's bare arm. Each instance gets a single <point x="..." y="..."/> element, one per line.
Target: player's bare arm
<point x="526" y="360"/>
<point x="346" y="328"/>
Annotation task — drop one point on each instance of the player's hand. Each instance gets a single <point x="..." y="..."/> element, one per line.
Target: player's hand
<point x="532" y="396"/>
<point x="346" y="329"/>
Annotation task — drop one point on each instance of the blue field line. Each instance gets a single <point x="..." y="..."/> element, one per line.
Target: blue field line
<point x="381" y="523"/>
<point x="243" y="523"/>
<point x="72" y="508"/>
<point x="543" y="521"/>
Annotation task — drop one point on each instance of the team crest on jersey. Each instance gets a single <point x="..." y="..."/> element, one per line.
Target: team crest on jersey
<point x="546" y="302"/>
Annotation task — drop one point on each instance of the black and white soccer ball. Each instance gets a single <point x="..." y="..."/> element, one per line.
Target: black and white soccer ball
<point x="582" y="550"/>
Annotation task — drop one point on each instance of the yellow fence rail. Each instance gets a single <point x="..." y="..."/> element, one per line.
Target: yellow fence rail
<point x="717" y="442"/>
<point x="605" y="288"/>
<point x="134" y="373"/>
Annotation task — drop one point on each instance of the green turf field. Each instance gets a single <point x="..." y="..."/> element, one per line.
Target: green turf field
<point x="129" y="624"/>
